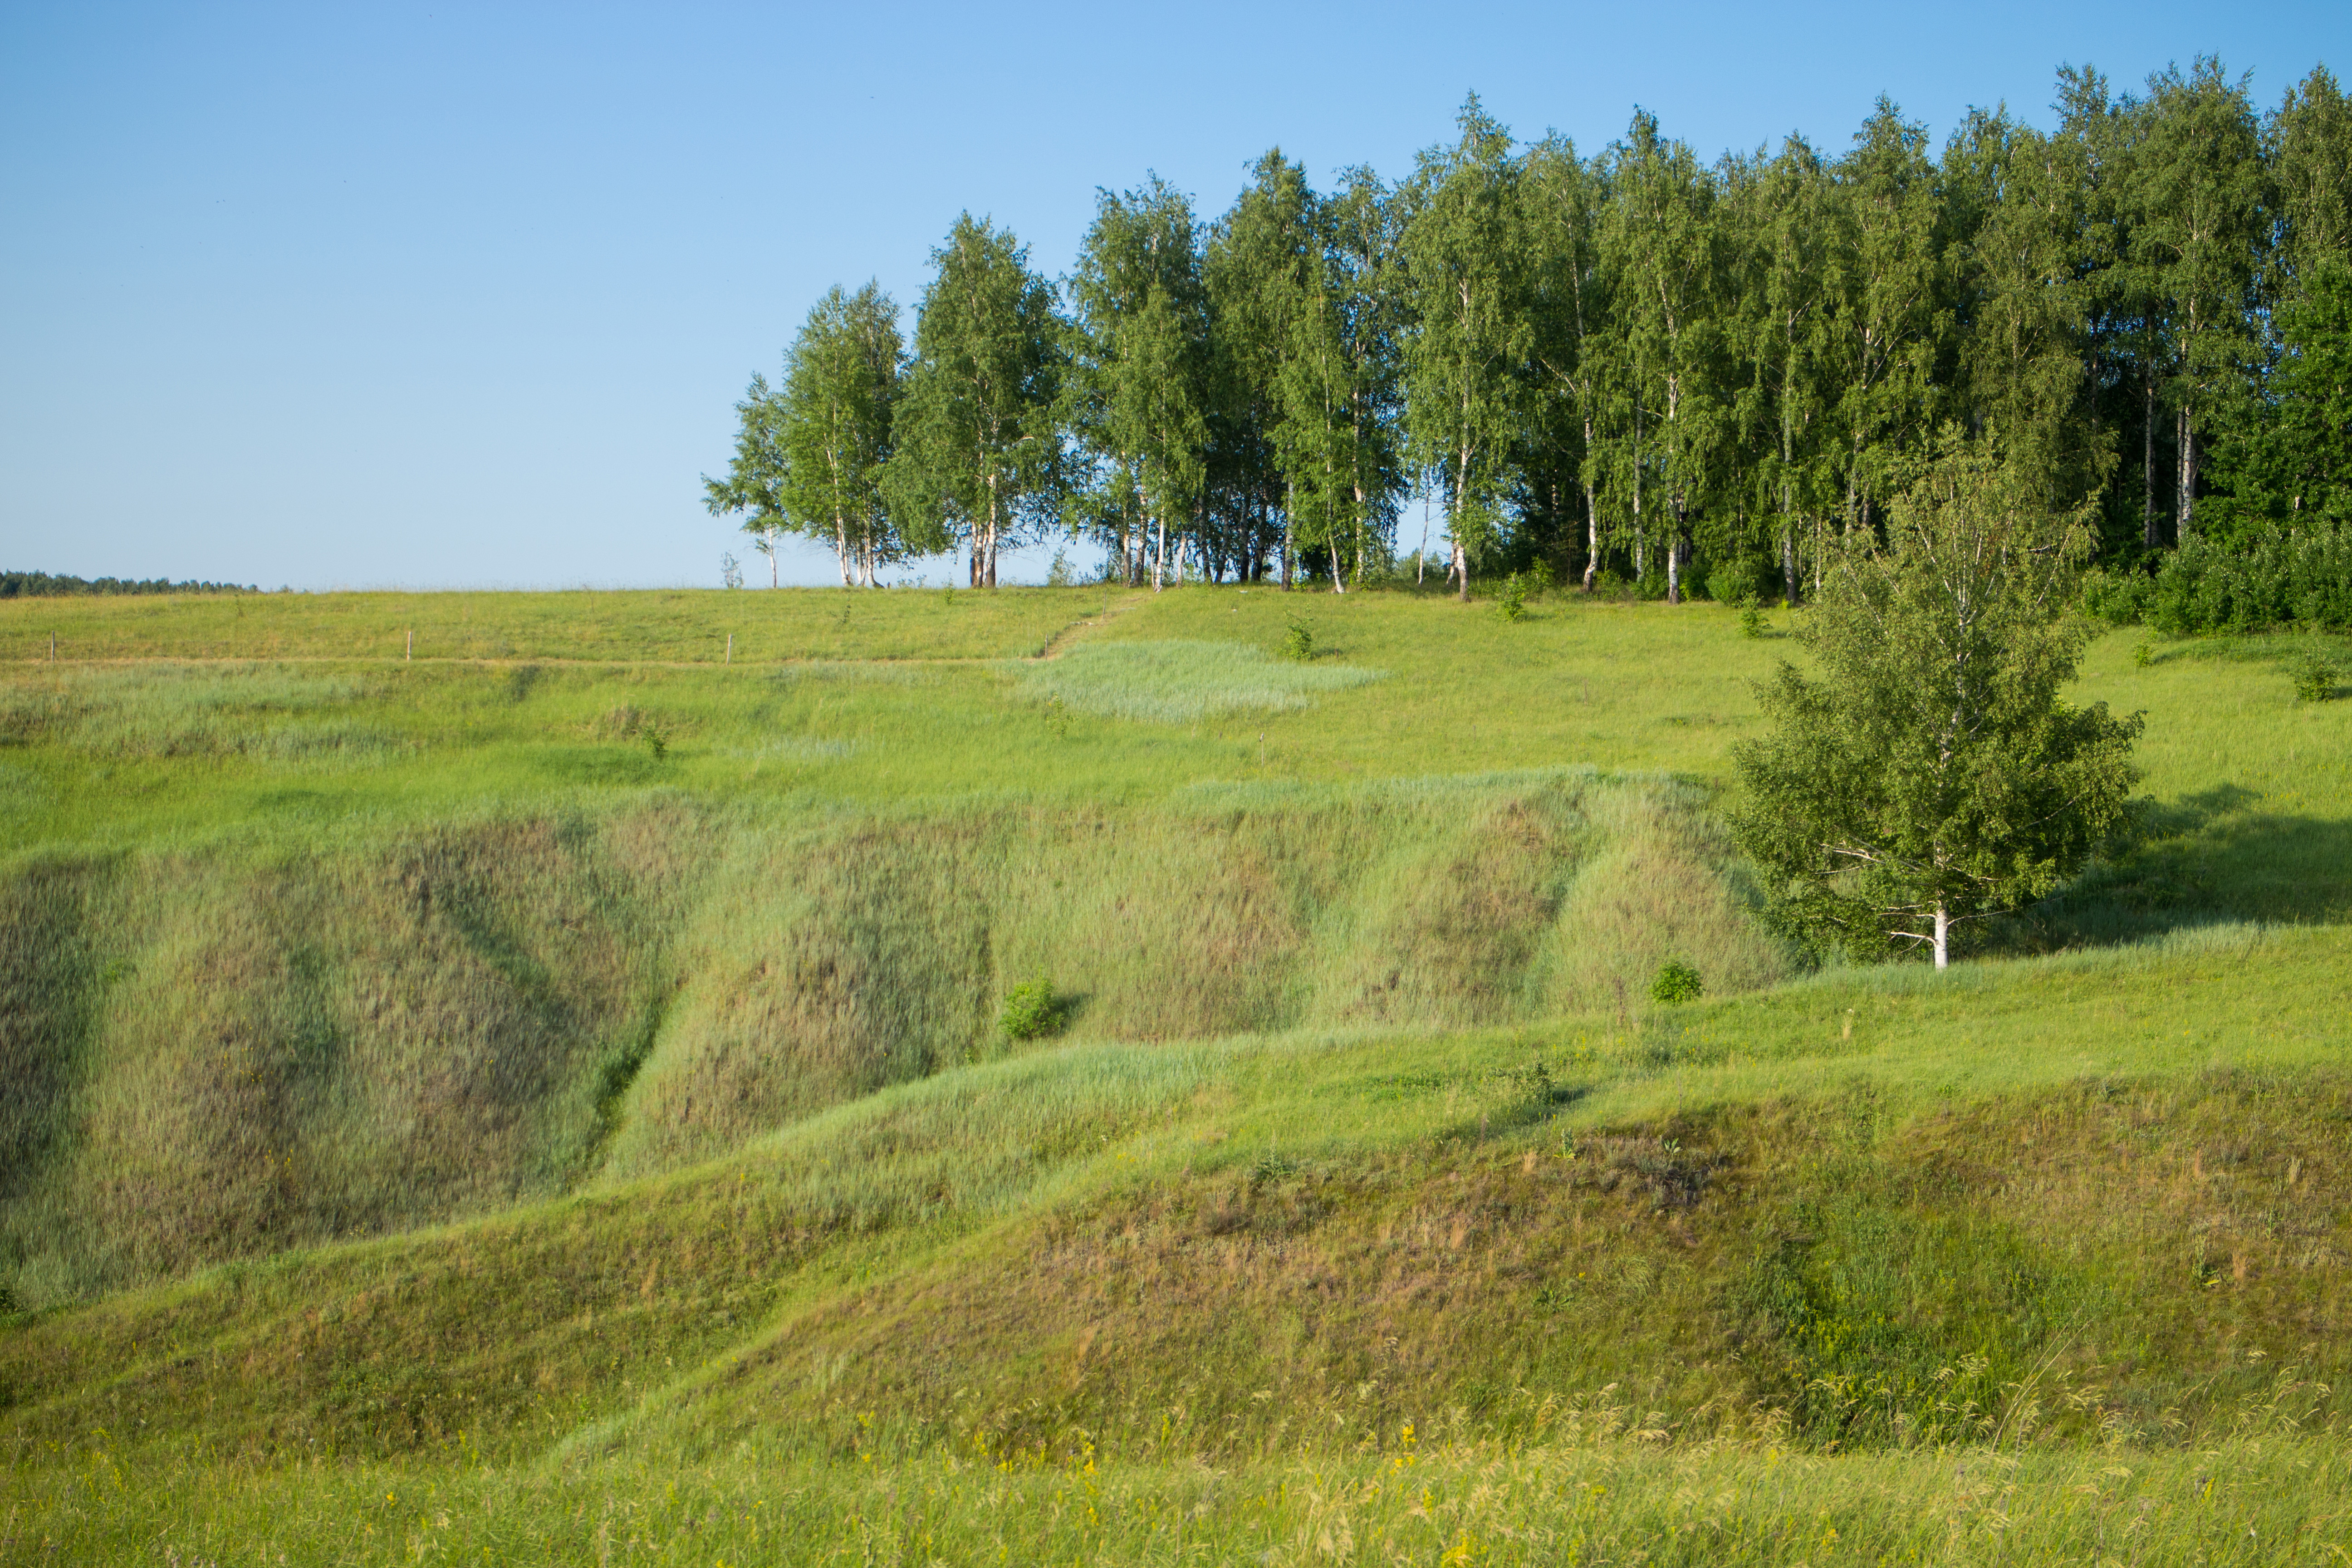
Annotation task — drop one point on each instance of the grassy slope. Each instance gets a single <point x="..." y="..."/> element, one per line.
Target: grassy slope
<point x="2113" y="1178"/>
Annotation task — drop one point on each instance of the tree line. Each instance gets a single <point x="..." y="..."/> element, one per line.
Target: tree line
<point x="50" y="584"/>
<point x="1636" y="368"/>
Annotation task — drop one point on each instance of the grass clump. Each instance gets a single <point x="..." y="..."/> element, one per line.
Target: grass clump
<point x="1176" y="682"/>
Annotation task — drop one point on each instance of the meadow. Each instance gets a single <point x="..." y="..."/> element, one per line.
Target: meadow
<point x="560" y="1093"/>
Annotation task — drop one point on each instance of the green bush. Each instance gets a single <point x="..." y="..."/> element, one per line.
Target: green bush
<point x="1299" y="643"/>
<point x="1512" y="604"/>
<point x="1752" y="618"/>
<point x="2274" y="575"/>
<point x="2314" y="677"/>
<point x="1676" y="982"/>
<point x="1032" y="1011"/>
<point x="2118" y="598"/>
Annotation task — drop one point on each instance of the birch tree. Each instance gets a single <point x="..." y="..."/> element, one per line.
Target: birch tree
<point x="1930" y="776"/>
<point x="1466" y="391"/>
<point x="2198" y="238"/>
<point x="980" y="448"/>
<point x="2023" y="253"/>
<point x="808" y="456"/>
<point x="1565" y="197"/>
<point x="1664" y="240"/>
<point x="1893" y="320"/>
<point x="1140" y="364"/>
<point x="1786" y="318"/>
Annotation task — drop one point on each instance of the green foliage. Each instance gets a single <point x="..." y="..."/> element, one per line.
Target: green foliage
<point x="1032" y="1010"/>
<point x="2315" y="675"/>
<point x="1675" y="983"/>
<point x="1140" y="370"/>
<point x="1466" y="277"/>
<point x="1298" y="641"/>
<point x="41" y="584"/>
<point x="977" y="454"/>
<point x="1751" y="619"/>
<point x="1511" y="603"/>
<point x="809" y="455"/>
<point x="2269" y="575"/>
<point x="1932" y="775"/>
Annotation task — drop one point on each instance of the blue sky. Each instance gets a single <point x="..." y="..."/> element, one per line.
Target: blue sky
<point x="371" y="296"/>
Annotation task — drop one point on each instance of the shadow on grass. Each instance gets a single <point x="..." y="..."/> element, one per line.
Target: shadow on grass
<point x="2205" y="859"/>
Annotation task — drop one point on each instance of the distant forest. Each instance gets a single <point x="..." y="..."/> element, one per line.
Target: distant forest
<point x="1636" y="369"/>
<point x="45" y="584"/>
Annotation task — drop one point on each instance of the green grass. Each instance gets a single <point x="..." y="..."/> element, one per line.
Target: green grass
<point x="2261" y="1498"/>
<point x="270" y="1044"/>
<point x="672" y="626"/>
<point x="1184" y="682"/>
<point x="425" y="1086"/>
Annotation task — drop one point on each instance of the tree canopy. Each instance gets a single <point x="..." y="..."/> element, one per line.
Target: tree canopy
<point x="1930" y="774"/>
<point x="1633" y="366"/>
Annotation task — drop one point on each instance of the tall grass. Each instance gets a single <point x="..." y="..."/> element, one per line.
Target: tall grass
<point x="1184" y="682"/>
<point x="2263" y="1499"/>
<point x="245" y="1049"/>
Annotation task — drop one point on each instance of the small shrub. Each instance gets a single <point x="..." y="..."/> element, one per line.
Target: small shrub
<point x="2144" y="655"/>
<point x="2314" y="678"/>
<point x="656" y="741"/>
<point x="1512" y="606"/>
<point x="1061" y="574"/>
<point x="1032" y="1011"/>
<point x="1543" y="578"/>
<point x="1751" y="618"/>
<point x="1299" y="643"/>
<point x="1676" y="982"/>
<point x="730" y="570"/>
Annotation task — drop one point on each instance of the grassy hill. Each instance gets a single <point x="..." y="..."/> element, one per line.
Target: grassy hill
<point x="454" y="1125"/>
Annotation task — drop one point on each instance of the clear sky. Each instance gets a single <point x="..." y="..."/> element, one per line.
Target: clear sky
<point x="342" y="295"/>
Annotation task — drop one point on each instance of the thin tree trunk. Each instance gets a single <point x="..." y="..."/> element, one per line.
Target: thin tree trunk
<point x="2187" y="511"/>
<point x="1942" y="935"/>
<point x="2150" y="535"/>
<point x="1674" y="557"/>
<point x="841" y="547"/>
<point x="1591" y="513"/>
<point x="1454" y="522"/>
<point x="1289" y="494"/>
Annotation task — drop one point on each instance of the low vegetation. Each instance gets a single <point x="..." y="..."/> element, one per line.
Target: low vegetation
<point x="923" y="1116"/>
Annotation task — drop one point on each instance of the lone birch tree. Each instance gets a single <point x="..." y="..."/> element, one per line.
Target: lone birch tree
<point x="1931" y="775"/>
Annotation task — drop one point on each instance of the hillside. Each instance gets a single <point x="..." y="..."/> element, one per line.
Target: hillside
<point x="691" y="1201"/>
